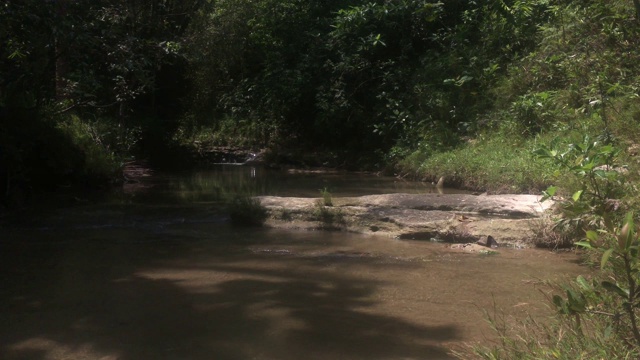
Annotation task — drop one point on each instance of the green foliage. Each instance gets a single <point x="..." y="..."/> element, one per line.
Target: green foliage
<point x="374" y="81"/>
<point x="103" y="145"/>
<point x="327" y="215"/>
<point x="326" y="197"/>
<point x="533" y="111"/>
<point x="598" y="317"/>
<point x="247" y="211"/>
<point x="361" y="75"/>
<point x="109" y="61"/>
<point x="595" y="165"/>
<point x="592" y="337"/>
<point x="619" y="246"/>
<point x="498" y="163"/>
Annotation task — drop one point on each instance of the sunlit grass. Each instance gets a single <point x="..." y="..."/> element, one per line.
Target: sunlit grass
<point x="497" y="164"/>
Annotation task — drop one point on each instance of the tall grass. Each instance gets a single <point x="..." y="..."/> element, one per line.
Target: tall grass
<point x="102" y="145"/>
<point x="534" y="340"/>
<point x="497" y="163"/>
<point x="247" y="211"/>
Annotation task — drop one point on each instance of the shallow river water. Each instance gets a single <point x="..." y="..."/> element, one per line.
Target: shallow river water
<point x="159" y="273"/>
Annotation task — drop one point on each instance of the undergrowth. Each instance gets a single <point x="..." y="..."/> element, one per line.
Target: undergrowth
<point x="556" y="338"/>
<point x="247" y="211"/>
<point x="497" y="163"/>
<point x="103" y="146"/>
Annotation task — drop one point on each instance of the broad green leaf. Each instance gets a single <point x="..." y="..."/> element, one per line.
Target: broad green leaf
<point x="626" y="235"/>
<point x="592" y="235"/>
<point x="561" y="304"/>
<point x="547" y="194"/>
<point x="539" y="151"/>
<point x="605" y="258"/>
<point x="576" y="196"/>
<point x="584" y="284"/>
<point x="577" y="302"/>
<point x="589" y="166"/>
<point x="608" y="332"/>
<point x="601" y="173"/>
<point x="584" y="244"/>
<point x="615" y="288"/>
<point x="552" y="190"/>
<point x="606" y="150"/>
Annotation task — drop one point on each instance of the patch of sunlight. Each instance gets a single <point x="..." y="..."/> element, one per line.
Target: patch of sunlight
<point x="51" y="350"/>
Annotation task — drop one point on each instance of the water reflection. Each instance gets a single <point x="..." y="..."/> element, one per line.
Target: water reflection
<point x="222" y="182"/>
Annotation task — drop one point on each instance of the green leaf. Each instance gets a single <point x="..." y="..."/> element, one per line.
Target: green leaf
<point x="542" y="152"/>
<point x="551" y="190"/>
<point x="584" y="244"/>
<point x="583" y="283"/>
<point x="601" y="173"/>
<point x="607" y="285"/>
<point x="576" y="196"/>
<point x="16" y="54"/>
<point x="592" y="235"/>
<point x="605" y="258"/>
<point x="627" y="233"/>
<point x="577" y="302"/>
<point x="632" y="227"/>
<point x="589" y="166"/>
<point x="606" y="150"/>
<point x="608" y="332"/>
<point x="547" y="194"/>
<point x="560" y="304"/>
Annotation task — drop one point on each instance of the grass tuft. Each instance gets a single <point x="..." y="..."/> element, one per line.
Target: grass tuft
<point x="247" y="211"/>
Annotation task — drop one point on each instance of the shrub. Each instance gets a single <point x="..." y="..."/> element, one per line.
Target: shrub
<point x="327" y="215"/>
<point x="247" y="211"/>
<point x="562" y="338"/>
<point x="326" y="197"/>
<point x="594" y="163"/>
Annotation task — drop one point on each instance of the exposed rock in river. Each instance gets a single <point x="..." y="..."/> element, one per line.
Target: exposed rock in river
<point x="458" y="218"/>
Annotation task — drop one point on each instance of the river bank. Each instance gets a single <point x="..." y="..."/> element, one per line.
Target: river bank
<point x="457" y="218"/>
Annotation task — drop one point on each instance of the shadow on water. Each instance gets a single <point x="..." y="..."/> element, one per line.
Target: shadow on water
<point x="158" y="273"/>
<point x="184" y="298"/>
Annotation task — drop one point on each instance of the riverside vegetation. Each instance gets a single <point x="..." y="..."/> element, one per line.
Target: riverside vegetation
<point x="500" y="96"/>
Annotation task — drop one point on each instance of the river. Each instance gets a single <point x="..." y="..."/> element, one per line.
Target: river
<point x="157" y="272"/>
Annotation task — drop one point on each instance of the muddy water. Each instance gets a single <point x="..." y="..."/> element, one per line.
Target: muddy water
<point x="169" y="279"/>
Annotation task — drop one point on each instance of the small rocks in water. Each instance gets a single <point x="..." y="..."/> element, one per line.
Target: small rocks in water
<point x="488" y="241"/>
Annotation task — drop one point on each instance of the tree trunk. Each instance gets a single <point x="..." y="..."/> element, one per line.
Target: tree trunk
<point x="61" y="60"/>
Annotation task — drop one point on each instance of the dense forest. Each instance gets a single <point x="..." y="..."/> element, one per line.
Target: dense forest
<point x="420" y="88"/>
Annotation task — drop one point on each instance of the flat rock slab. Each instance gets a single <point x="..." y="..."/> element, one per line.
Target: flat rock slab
<point x="449" y="217"/>
<point x="522" y="206"/>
